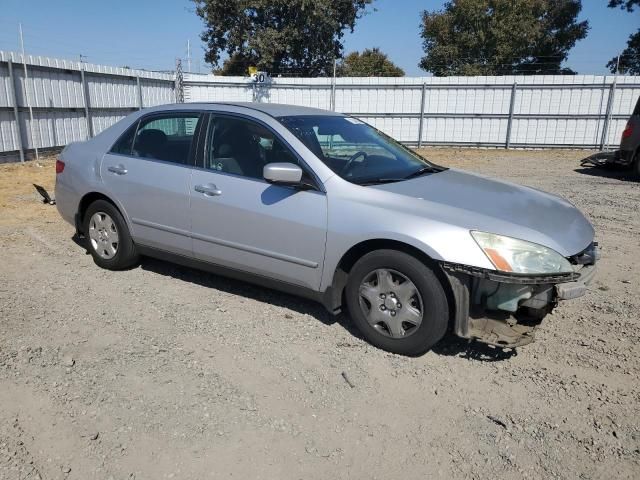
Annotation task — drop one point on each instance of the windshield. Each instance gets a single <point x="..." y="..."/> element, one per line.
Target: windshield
<point x="356" y="151"/>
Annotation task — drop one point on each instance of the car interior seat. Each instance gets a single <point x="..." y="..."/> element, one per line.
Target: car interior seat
<point x="237" y="152"/>
<point x="151" y="143"/>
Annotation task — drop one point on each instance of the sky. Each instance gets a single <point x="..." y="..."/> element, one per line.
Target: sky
<point x="150" y="34"/>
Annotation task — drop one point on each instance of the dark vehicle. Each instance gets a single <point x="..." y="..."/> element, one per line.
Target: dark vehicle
<point x="628" y="156"/>
<point x="630" y="141"/>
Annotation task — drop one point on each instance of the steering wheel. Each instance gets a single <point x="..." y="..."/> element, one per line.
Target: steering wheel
<point x="347" y="166"/>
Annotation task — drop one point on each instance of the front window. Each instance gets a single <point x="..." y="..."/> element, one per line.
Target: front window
<point x="356" y="151"/>
<point x="243" y="147"/>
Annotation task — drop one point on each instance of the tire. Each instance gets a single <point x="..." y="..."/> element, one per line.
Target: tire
<point x="107" y="236"/>
<point x="417" y="325"/>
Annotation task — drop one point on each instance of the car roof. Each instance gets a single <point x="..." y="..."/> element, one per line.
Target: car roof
<point x="271" y="109"/>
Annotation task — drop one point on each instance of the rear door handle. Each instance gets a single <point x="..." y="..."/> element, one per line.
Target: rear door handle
<point x="209" y="190"/>
<point x="118" y="169"/>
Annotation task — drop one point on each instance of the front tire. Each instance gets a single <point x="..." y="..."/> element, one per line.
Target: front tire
<point x="397" y="302"/>
<point x="107" y="236"/>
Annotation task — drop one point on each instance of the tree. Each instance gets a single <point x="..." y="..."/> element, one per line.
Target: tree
<point x="300" y="37"/>
<point x="629" y="60"/>
<point x="624" y="4"/>
<point x="501" y="37"/>
<point x="369" y="63"/>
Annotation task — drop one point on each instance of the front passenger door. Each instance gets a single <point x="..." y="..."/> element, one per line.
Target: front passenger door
<point x="242" y="222"/>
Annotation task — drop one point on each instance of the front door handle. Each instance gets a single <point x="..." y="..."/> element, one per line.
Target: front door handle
<point x="209" y="190"/>
<point x="118" y="169"/>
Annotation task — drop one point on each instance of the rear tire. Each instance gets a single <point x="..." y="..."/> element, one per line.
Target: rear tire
<point x="397" y="302"/>
<point x="107" y="236"/>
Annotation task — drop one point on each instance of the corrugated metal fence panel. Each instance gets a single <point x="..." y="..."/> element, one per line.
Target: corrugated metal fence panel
<point x="53" y="128"/>
<point x="55" y="92"/>
<point x="111" y="92"/>
<point x="8" y="131"/>
<point x="156" y="93"/>
<point x="6" y="99"/>
<point x="48" y="88"/>
<point x="547" y="110"/>
<point x="103" y="119"/>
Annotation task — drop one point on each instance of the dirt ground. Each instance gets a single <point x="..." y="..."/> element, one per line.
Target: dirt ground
<point x="167" y="372"/>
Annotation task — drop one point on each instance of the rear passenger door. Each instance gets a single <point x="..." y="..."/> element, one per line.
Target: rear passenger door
<point x="148" y="172"/>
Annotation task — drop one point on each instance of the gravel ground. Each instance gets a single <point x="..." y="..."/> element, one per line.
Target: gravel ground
<point x="167" y="372"/>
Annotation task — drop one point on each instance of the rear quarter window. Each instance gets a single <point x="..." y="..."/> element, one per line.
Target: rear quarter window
<point x="124" y="145"/>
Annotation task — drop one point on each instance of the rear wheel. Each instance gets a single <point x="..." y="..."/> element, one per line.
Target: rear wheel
<point x="397" y="302"/>
<point x="108" y="237"/>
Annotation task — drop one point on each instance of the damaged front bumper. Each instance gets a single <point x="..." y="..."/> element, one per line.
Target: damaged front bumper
<point x="505" y="309"/>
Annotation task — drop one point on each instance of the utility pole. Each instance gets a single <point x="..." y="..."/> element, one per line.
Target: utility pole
<point x="28" y="97"/>
<point x="189" y="55"/>
<point x="604" y="143"/>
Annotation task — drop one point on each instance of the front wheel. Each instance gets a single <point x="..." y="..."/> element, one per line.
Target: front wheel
<point x="397" y="302"/>
<point x="108" y="237"/>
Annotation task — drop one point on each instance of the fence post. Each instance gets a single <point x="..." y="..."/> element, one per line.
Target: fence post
<point x="85" y="94"/>
<point x="421" y="122"/>
<point x="16" y="114"/>
<point x="332" y="99"/>
<point x="139" y="92"/>
<point x="607" y="118"/>
<point x="333" y="95"/>
<point x="512" y="102"/>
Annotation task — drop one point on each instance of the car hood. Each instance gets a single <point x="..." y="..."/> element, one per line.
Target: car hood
<point x="476" y="202"/>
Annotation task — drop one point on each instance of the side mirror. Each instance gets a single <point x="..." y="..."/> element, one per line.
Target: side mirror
<point x="282" y="173"/>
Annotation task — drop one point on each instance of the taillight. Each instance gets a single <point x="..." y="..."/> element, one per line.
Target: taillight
<point x="628" y="131"/>
<point x="59" y="166"/>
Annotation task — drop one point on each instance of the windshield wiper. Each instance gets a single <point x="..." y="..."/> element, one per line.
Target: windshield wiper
<point x="417" y="173"/>
<point x="421" y="172"/>
<point x="378" y="181"/>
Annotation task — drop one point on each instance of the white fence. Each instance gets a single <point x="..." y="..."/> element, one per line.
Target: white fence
<point x="69" y="101"/>
<point x="73" y="101"/>
<point x="575" y="111"/>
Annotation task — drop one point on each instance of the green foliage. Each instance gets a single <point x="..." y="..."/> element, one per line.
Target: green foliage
<point x="629" y="60"/>
<point x="624" y="4"/>
<point x="300" y="37"/>
<point x="501" y="37"/>
<point x="369" y="63"/>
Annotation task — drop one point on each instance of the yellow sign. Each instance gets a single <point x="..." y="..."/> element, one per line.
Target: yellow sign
<point x="253" y="71"/>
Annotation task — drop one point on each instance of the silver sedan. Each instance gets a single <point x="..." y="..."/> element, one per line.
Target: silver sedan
<point x="325" y="206"/>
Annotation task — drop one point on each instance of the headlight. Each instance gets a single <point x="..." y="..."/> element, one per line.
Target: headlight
<point x="512" y="255"/>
